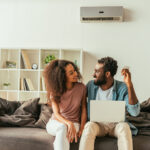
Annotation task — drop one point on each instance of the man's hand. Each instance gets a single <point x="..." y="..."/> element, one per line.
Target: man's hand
<point x="131" y="93"/>
<point x="127" y="76"/>
<point x="80" y="132"/>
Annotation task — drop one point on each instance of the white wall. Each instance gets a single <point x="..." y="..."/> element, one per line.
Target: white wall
<point x="56" y="23"/>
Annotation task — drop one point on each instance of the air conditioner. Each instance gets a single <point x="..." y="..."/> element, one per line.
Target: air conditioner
<point x="105" y="13"/>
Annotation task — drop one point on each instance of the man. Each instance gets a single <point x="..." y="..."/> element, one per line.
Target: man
<point x="105" y="87"/>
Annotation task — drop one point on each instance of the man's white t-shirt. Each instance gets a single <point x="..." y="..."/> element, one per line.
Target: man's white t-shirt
<point x="104" y="95"/>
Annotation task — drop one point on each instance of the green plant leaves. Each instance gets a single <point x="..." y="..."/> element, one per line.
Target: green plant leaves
<point x="49" y="58"/>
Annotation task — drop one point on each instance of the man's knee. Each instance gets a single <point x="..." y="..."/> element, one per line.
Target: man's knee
<point x="91" y="129"/>
<point x="123" y="128"/>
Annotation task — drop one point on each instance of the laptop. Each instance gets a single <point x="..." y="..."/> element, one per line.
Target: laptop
<point x="107" y="111"/>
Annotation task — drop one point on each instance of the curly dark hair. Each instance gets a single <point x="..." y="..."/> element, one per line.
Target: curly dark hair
<point x="55" y="78"/>
<point x="109" y="65"/>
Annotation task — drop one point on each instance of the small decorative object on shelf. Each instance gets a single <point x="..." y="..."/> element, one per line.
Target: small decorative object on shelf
<point x="75" y="61"/>
<point x="10" y="64"/>
<point x="6" y="85"/>
<point x="49" y="58"/>
<point x="34" y="66"/>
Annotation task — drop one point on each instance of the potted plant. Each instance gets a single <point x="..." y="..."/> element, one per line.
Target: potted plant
<point x="6" y="85"/>
<point x="49" y="58"/>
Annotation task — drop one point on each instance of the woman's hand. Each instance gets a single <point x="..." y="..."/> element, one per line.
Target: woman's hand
<point x="72" y="134"/>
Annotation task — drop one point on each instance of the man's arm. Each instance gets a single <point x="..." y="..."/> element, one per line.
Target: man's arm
<point x="131" y="93"/>
<point x="134" y="106"/>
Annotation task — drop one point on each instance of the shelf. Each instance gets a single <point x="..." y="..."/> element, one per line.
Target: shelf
<point x="42" y="82"/>
<point x="8" y="90"/>
<point x="22" y="91"/>
<point x="73" y="55"/>
<point x="28" y="58"/>
<point x="32" y="76"/>
<point x="9" y="58"/>
<point x="23" y="96"/>
<point x="19" y="69"/>
<point x="9" y="95"/>
<point x="10" y="77"/>
<point x="10" y="69"/>
<point x="46" y="52"/>
<point x="43" y="98"/>
<point x="43" y="91"/>
<point x="16" y="68"/>
<point x="29" y="69"/>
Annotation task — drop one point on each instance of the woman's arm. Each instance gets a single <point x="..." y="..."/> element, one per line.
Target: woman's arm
<point x="71" y="129"/>
<point x="56" y="111"/>
<point x="83" y="115"/>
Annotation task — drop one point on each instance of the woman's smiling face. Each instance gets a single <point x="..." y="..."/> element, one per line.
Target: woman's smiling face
<point x="71" y="74"/>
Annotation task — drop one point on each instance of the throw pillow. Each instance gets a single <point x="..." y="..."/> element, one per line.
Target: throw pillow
<point x="8" y="107"/>
<point x="145" y="106"/>
<point x="29" y="106"/>
<point x="25" y="115"/>
<point x="45" y="115"/>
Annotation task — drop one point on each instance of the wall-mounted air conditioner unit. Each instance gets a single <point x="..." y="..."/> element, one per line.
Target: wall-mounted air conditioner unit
<point x="105" y="13"/>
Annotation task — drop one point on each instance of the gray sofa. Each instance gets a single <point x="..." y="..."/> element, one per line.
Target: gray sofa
<point x="21" y="138"/>
<point x="19" y="133"/>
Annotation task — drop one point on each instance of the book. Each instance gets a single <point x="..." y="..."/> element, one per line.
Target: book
<point x="26" y="59"/>
<point x="26" y="87"/>
<point x="30" y="84"/>
<point x="43" y="84"/>
<point x="22" y="62"/>
<point x="21" y="84"/>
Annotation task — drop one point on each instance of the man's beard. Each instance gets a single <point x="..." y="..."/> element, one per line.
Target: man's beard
<point x="101" y="81"/>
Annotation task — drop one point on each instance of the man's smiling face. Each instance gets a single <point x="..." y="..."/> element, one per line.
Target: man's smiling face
<point x="99" y="75"/>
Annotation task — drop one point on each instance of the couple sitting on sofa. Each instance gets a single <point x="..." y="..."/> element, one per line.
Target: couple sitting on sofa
<point x="67" y="96"/>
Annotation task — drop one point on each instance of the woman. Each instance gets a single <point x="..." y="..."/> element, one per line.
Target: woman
<point x="68" y="100"/>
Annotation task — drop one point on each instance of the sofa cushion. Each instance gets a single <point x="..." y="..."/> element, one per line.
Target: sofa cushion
<point x="106" y="143"/>
<point x="109" y="143"/>
<point x="15" y="138"/>
<point x="35" y="138"/>
<point x="45" y="115"/>
<point x="8" y="107"/>
<point x="25" y="115"/>
<point x="140" y="142"/>
<point x="145" y="106"/>
<point x="29" y="106"/>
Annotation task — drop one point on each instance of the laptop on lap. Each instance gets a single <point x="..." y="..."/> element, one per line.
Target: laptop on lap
<point x="107" y="111"/>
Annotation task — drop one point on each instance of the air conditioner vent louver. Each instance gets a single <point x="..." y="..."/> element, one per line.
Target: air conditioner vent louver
<point x="98" y="14"/>
<point x="96" y="19"/>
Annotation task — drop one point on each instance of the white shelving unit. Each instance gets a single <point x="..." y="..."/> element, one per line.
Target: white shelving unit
<point x="14" y="75"/>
